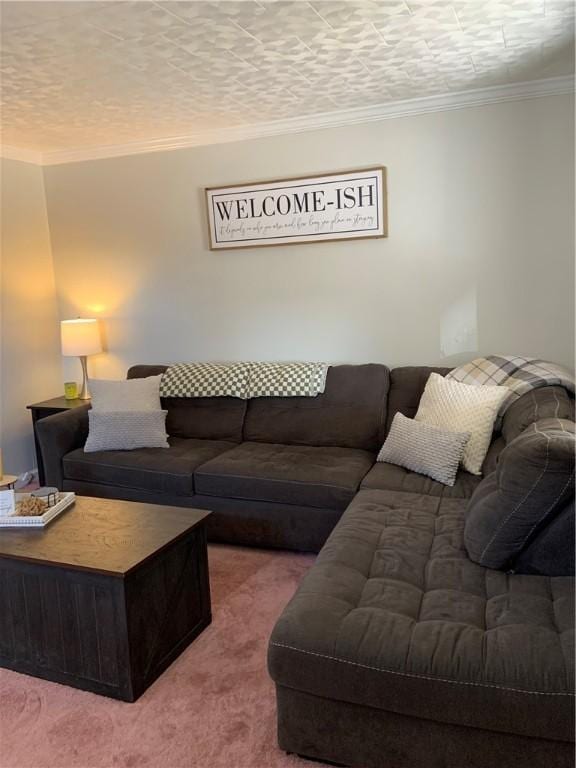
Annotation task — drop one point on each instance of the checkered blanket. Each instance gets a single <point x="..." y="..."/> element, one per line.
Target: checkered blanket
<point x="244" y="380"/>
<point x="206" y="380"/>
<point x="518" y="374"/>
<point x="287" y="379"/>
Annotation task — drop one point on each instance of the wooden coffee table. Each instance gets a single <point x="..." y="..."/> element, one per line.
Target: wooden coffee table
<point x="106" y="596"/>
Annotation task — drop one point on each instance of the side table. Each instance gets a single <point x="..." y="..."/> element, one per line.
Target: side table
<point x="49" y="408"/>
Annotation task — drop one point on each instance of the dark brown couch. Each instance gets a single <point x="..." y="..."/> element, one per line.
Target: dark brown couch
<point x="397" y="650"/>
<point x="276" y="472"/>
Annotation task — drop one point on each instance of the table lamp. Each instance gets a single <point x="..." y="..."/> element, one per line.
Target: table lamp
<point x="80" y="338"/>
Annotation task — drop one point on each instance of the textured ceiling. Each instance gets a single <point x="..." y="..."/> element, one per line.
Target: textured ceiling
<point x="79" y="74"/>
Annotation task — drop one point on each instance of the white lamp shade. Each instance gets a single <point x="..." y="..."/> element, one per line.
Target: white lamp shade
<point x="80" y="337"/>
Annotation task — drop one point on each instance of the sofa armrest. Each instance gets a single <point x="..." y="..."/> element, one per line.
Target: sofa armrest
<point x="532" y="484"/>
<point x="58" y="435"/>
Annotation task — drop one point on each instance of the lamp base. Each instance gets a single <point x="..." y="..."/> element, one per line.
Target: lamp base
<point x="84" y="392"/>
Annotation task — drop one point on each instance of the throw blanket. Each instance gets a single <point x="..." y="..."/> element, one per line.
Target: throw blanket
<point x="518" y="374"/>
<point x="244" y="380"/>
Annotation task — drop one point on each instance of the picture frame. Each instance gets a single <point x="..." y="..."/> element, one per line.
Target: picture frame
<point x="343" y="205"/>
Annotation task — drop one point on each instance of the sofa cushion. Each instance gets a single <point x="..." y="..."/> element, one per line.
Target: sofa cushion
<point x="552" y="550"/>
<point x="205" y="418"/>
<point x="170" y="470"/>
<point x="492" y="457"/>
<point x="533" y="482"/>
<point x="289" y="474"/>
<point x="351" y="413"/>
<point x="389" y="477"/>
<point x="394" y="615"/>
<point x="407" y="385"/>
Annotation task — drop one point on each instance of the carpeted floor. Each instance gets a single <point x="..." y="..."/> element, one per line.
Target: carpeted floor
<point x="213" y="708"/>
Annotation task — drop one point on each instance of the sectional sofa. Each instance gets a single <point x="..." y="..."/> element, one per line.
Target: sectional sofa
<point x="276" y="472"/>
<point x="397" y="650"/>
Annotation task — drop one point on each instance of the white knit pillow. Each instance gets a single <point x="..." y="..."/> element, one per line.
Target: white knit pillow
<point x="128" y="395"/>
<point x="461" y="407"/>
<point x="126" y="430"/>
<point x="424" y="449"/>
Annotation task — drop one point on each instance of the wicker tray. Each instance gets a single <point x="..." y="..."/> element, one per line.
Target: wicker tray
<point x="14" y="521"/>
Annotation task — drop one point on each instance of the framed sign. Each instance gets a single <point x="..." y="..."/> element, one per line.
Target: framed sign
<point x="336" y="206"/>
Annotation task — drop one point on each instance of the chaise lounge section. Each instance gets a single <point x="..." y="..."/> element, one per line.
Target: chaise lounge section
<point x="398" y="650"/>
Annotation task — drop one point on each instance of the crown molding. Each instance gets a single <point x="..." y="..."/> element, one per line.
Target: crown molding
<point x="405" y="108"/>
<point x="22" y="155"/>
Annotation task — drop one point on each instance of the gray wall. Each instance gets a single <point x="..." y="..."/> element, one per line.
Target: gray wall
<point x="29" y="329"/>
<point x="479" y="257"/>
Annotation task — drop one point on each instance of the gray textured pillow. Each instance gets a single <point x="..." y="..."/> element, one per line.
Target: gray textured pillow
<point x="126" y="430"/>
<point x="129" y="395"/>
<point x="533" y="482"/>
<point x="424" y="449"/>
